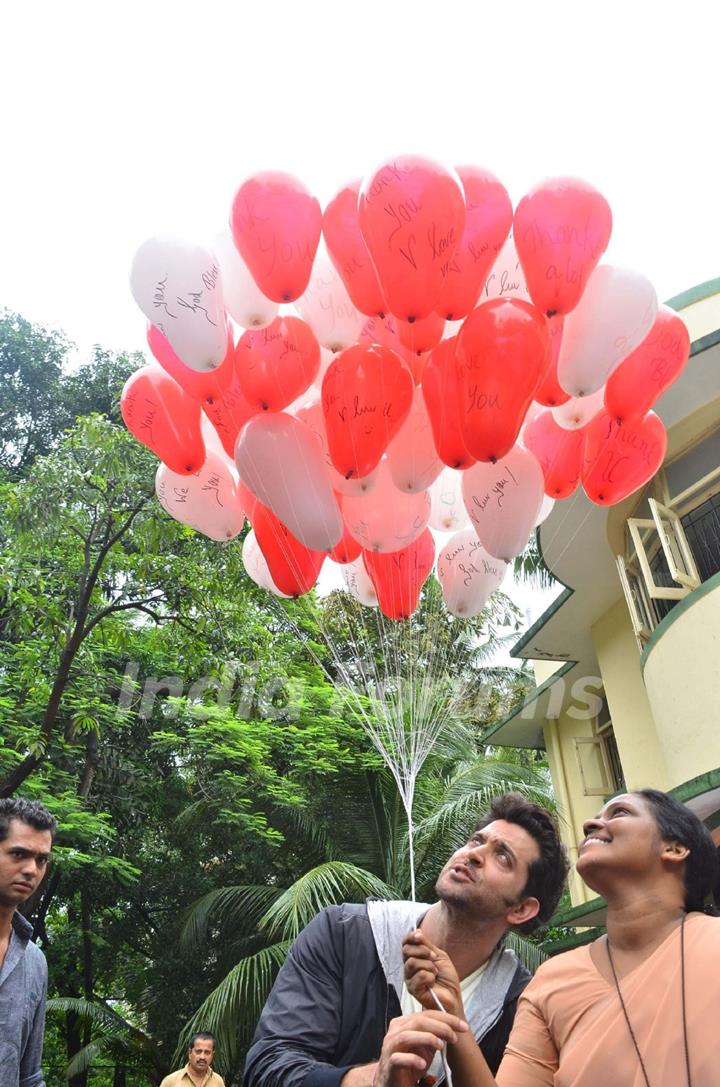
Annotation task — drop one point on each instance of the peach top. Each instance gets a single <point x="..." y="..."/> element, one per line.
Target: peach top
<point x="570" y="1030"/>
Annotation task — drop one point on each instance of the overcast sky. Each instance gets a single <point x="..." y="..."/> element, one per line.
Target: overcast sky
<point x="121" y="120"/>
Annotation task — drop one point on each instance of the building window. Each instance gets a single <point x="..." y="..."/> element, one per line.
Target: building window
<point x="599" y="759"/>
<point x="677" y="547"/>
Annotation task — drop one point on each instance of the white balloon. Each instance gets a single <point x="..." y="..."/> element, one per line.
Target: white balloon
<point x="281" y="461"/>
<point x="359" y="584"/>
<point x="546" y="509"/>
<point x="311" y="414"/>
<point x="579" y="410"/>
<point x="414" y="463"/>
<point x="245" y="302"/>
<point x="614" y="315"/>
<point x="178" y="287"/>
<point x="506" y="278"/>
<point x="207" y="501"/>
<point x="256" y="566"/>
<point x="447" y="508"/>
<point x="388" y="519"/>
<point x="326" y="307"/>
<point x="468" y="574"/>
<point x="503" y="501"/>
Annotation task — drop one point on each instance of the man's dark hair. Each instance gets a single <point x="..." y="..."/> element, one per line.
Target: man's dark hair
<point x="547" y="874"/>
<point x="677" y="823"/>
<point x="202" y="1036"/>
<point x="30" y="812"/>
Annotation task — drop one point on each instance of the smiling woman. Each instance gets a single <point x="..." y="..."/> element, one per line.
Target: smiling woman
<point x="640" y="1001"/>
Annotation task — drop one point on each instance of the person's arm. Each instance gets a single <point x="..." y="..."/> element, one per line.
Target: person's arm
<point x="297" y="1036"/>
<point x="30" y="1061"/>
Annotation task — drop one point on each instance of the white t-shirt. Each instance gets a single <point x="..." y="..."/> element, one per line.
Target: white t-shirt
<point x="410" y="1005"/>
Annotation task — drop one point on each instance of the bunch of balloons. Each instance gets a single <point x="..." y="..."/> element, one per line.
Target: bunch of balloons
<point x="439" y="363"/>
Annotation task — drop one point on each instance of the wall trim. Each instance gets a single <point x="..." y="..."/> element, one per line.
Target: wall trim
<point x="682" y="606"/>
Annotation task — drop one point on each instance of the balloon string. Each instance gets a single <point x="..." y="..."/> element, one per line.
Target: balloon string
<point x="445" y="1063"/>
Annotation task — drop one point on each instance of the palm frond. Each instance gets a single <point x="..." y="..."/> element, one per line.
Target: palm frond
<point x="237" y="907"/>
<point x="327" y="884"/>
<point x="232" y="1008"/>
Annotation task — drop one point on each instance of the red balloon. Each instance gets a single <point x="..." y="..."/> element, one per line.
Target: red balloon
<point x="349" y="254"/>
<point x="550" y="392"/>
<point x="367" y="393"/>
<point x="503" y="350"/>
<point x="229" y="411"/>
<point x="276" y="364"/>
<point x="294" y="568"/>
<point x="164" y="418"/>
<point x="348" y="549"/>
<point x="441" y="392"/>
<point x="412" y="214"/>
<point x="643" y="376"/>
<point x="197" y="383"/>
<point x="421" y="336"/>
<point x="559" y="452"/>
<point x="561" y="229"/>
<point x="276" y="225"/>
<point x="621" y="457"/>
<point x="398" y="576"/>
<point x="488" y="218"/>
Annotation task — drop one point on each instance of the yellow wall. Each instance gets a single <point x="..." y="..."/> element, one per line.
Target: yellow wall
<point x="682" y="676"/>
<point x="643" y="758"/>
<point x="573" y="806"/>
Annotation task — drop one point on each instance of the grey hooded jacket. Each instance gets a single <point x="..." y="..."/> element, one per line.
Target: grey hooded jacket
<point x="339" y="988"/>
<point x="23" y="988"/>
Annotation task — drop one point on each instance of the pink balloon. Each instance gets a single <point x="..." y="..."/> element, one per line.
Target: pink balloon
<point x="282" y="463"/>
<point x="326" y="307"/>
<point x="488" y="217"/>
<point x="503" y="501"/>
<point x="276" y="225"/>
<point x="207" y="500"/>
<point x="414" y="463"/>
<point x="387" y="519"/>
<point x="468" y="574"/>
<point x="577" y="412"/>
<point x="359" y="583"/>
<point x="562" y="228"/>
<point x="506" y="278"/>
<point x="447" y="509"/>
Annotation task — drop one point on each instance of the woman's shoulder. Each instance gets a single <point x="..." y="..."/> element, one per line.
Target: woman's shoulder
<point x="558" y="967"/>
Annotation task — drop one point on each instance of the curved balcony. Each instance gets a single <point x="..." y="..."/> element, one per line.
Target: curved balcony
<point x="681" y="670"/>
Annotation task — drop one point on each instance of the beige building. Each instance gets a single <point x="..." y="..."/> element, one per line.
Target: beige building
<point x="627" y="658"/>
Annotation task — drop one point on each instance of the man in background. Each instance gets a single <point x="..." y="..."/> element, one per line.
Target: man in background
<point x="26" y="836"/>
<point x="197" y="1072"/>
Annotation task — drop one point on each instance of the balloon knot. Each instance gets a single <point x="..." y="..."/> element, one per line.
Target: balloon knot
<point x="551" y="312"/>
<point x="264" y="405"/>
<point x="448" y="316"/>
<point x="381" y="316"/>
<point x="493" y="460"/>
<point x="209" y="400"/>
<point x="349" y="474"/>
<point x="287" y="297"/>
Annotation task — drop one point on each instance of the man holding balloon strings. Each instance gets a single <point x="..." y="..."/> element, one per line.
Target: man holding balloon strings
<point x="331" y="1007"/>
